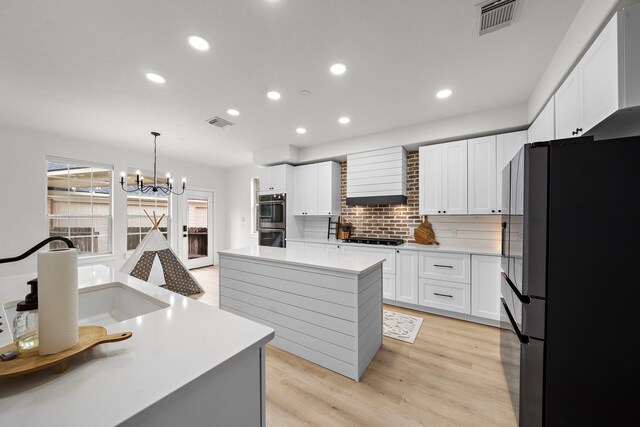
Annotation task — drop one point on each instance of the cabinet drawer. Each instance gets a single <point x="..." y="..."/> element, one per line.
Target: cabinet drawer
<point x="449" y="267"/>
<point x="444" y="295"/>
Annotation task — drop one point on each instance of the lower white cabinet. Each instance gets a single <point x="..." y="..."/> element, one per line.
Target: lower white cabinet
<point x="406" y="276"/>
<point x="485" y="289"/>
<point x="444" y="266"/>
<point x="389" y="286"/>
<point x="455" y="282"/>
<point x="445" y="295"/>
<point x="388" y="267"/>
<point x="297" y="246"/>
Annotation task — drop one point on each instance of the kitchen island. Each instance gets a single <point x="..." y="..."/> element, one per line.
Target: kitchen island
<point x="325" y="308"/>
<point x="187" y="363"/>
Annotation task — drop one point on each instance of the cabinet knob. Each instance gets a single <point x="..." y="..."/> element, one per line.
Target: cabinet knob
<point x="444" y="211"/>
<point x="499" y="210"/>
<point x="493" y="211"/>
<point x="438" y="211"/>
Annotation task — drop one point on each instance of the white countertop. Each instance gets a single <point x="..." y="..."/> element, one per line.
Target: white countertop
<point x="112" y="382"/>
<point x="407" y="246"/>
<point x="346" y="263"/>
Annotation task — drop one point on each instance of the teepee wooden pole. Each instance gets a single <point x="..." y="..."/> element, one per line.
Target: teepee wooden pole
<point x="149" y="216"/>
<point x="160" y="220"/>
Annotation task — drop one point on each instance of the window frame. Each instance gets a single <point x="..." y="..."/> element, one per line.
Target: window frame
<point x="110" y="216"/>
<point x="168" y="217"/>
<point x="255" y="204"/>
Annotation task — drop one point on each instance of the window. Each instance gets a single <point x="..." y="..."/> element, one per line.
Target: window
<point x="255" y="206"/>
<point x="138" y="225"/>
<point x="79" y="205"/>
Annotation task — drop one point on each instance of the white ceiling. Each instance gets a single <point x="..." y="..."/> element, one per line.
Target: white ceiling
<point x="76" y="67"/>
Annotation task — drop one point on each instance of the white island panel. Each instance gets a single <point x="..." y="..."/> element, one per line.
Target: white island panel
<point x="326" y="308"/>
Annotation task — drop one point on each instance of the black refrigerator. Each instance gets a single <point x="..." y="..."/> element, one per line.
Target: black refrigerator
<point x="570" y="289"/>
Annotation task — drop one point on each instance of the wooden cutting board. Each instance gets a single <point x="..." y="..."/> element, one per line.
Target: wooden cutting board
<point x="30" y="361"/>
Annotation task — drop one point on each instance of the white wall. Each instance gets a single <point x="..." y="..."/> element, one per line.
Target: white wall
<point x="239" y="207"/>
<point x="23" y="196"/>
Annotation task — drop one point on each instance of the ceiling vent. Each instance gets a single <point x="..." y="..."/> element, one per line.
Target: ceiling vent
<point x="220" y="122"/>
<point x="496" y="14"/>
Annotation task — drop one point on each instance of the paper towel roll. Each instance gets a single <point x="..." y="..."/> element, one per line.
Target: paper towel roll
<point x="57" y="300"/>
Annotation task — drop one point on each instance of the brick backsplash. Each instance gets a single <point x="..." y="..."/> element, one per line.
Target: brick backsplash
<point x="385" y="221"/>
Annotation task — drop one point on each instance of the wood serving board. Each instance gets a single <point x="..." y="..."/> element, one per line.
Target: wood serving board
<point x="30" y="361"/>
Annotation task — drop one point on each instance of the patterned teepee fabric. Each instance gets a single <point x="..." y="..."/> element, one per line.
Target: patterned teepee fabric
<point x="142" y="270"/>
<point x="177" y="277"/>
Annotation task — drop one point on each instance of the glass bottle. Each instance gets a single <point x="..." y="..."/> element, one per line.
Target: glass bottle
<point x="25" y="324"/>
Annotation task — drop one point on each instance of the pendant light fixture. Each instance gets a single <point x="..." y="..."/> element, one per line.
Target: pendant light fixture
<point x="165" y="187"/>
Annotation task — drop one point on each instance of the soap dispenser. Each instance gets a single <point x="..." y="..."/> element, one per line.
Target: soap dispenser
<point x="25" y="324"/>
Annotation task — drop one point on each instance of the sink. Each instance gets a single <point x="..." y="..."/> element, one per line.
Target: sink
<point x="104" y="305"/>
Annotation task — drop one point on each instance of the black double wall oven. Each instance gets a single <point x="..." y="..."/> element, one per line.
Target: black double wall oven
<point x="273" y="220"/>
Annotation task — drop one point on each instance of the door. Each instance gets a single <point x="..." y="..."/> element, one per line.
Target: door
<point x="272" y="237"/>
<point x="430" y="179"/>
<point x="507" y="146"/>
<point x="567" y="106"/>
<point x="454" y="178"/>
<point x="407" y="276"/>
<point x="197" y="228"/>
<point x="482" y="175"/>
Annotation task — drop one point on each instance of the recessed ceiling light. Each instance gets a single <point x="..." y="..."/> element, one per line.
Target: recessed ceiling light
<point x="301" y="131"/>
<point x="344" y="120"/>
<point x="444" y="93"/>
<point x="156" y="78"/>
<point x="338" y="69"/>
<point x="233" y="112"/>
<point x="198" y="42"/>
<point x="273" y="95"/>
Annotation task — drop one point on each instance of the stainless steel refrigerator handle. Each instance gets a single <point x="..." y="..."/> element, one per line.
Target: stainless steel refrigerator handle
<point x="522" y="338"/>
<point x="504" y="234"/>
<point x="523" y="298"/>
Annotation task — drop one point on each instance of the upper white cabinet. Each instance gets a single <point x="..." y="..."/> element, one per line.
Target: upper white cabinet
<point x="317" y="189"/>
<point x="482" y="175"/>
<point x="507" y="146"/>
<point x="443" y="178"/>
<point x="590" y="92"/>
<point x="543" y="127"/>
<point x="407" y="276"/>
<point x="485" y="289"/>
<point x="273" y="179"/>
<point x="487" y="157"/>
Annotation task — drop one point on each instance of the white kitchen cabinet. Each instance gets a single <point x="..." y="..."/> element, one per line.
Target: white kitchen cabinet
<point x="507" y="146"/>
<point x="317" y="189"/>
<point x="388" y="267"/>
<point x="485" y="286"/>
<point x="430" y="181"/>
<point x="273" y="179"/>
<point x="451" y="267"/>
<point x="296" y="246"/>
<point x="443" y="179"/>
<point x="482" y="175"/>
<point x="406" y="276"/>
<point x="444" y="295"/>
<point x="543" y="127"/>
<point x="590" y="92"/>
<point x="333" y="248"/>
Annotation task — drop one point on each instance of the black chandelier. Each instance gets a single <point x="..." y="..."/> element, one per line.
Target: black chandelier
<point x="164" y="188"/>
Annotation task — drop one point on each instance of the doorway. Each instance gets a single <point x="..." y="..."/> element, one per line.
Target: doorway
<point x="197" y="228"/>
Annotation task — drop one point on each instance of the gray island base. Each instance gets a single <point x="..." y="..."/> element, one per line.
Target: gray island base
<point x="325" y="308"/>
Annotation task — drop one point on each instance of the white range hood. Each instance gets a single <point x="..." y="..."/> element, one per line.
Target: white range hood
<point x="377" y="177"/>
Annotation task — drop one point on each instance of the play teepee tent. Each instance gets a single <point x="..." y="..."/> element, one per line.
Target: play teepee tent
<point x="153" y="259"/>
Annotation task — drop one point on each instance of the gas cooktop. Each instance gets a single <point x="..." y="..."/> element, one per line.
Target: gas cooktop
<point x="374" y="241"/>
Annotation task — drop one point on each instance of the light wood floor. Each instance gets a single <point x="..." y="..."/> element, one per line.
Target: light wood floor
<point x="451" y="376"/>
